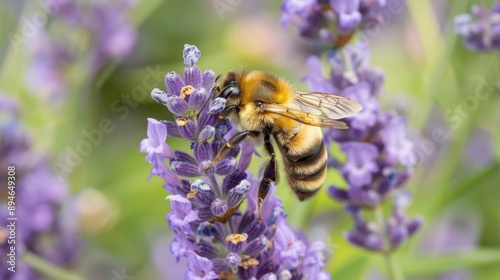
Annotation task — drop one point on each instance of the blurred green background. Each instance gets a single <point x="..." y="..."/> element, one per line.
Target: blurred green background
<point x="430" y="75"/>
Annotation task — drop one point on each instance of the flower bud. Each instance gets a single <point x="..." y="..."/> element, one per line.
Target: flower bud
<point x="217" y="105"/>
<point x="219" y="207"/>
<point x="206" y="134"/>
<point x="177" y="106"/>
<point x="173" y="83"/>
<point x="233" y="260"/>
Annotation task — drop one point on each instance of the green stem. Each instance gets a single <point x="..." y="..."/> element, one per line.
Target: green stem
<point x="49" y="269"/>
<point x="392" y="266"/>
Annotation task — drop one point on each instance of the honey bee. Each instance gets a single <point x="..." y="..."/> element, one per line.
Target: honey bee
<point x="268" y="107"/>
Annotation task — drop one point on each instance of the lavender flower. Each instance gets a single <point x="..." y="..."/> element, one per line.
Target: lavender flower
<point x="379" y="154"/>
<point x="219" y="239"/>
<point x="50" y="60"/>
<point x="396" y="229"/>
<point x="42" y="227"/>
<point x="109" y="34"/>
<point x="481" y="28"/>
<point x="330" y="20"/>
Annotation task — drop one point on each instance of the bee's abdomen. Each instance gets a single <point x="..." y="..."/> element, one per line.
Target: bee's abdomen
<point x="305" y="162"/>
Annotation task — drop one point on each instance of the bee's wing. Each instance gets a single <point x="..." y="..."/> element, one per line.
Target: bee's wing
<point x="304" y="117"/>
<point x="333" y="106"/>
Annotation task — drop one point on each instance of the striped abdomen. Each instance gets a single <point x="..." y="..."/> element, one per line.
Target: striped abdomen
<point x="304" y="159"/>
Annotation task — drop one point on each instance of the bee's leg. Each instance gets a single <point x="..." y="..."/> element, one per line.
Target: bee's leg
<point x="233" y="141"/>
<point x="269" y="176"/>
<point x="233" y="88"/>
<point x="214" y="92"/>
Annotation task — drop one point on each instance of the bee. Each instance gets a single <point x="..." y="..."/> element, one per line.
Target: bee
<point x="267" y="107"/>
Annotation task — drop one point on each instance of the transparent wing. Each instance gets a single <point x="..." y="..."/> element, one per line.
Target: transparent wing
<point x="304" y="117"/>
<point x="333" y="106"/>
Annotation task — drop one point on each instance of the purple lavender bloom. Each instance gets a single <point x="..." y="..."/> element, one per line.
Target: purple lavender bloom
<point x="348" y="13"/>
<point x="398" y="147"/>
<point x="155" y="143"/>
<point x="45" y="74"/>
<point x="200" y="268"/>
<point x="116" y="36"/>
<point x="481" y="28"/>
<point x="313" y="262"/>
<point x="331" y="20"/>
<point x="290" y="249"/>
<point x="109" y="34"/>
<point x="305" y="15"/>
<point x="454" y="232"/>
<point x="399" y="227"/>
<point x="362" y="93"/>
<point x="360" y="164"/>
<point x="379" y="154"/>
<point x="396" y="229"/>
<point x="219" y="239"/>
<point x="365" y="234"/>
<point x="182" y="214"/>
<point x="42" y="227"/>
<point x="315" y="79"/>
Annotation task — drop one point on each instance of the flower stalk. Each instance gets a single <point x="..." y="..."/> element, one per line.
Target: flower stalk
<point x="379" y="154"/>
<point x="392" y="267"/>
<point x="218" y="237"/>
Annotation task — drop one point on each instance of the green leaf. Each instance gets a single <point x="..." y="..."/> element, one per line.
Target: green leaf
<point x="487" y="177"/>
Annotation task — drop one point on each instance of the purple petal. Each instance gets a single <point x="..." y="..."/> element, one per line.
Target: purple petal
<point x="339" y="194"/>
<point x="218" y="207"/>
<point x="200" y="268"/>
<point x="208" y="80"/>
<point x="174" y="83"/>
<point x="172" y="128"/>
<point x="185" y="169"/>
<point x="233" y="260"/>
<point x="203" y="151"/>
<point x="193" y="76"/>
<point x="348" y="22"/>
<point x="206" y="134"/>
<point x="225" y="166"/>
<point x="177" y="106"/>
<point x="188" y="130"/>
<point x="182" y="214"/>
<point x="216" y="106"/>
<point x="197" y="99"/>
<point x="159" y="95"/>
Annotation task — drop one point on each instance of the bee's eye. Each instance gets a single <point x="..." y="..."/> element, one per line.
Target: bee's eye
<point x="230" y="90"/>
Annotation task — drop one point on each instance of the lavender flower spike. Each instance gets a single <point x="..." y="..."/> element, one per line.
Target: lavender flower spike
<point x="109" y="35"/>
<point x="380" y="156"/>
<point x="220" y="240"/>
<point x="43" y="229"/>
<point x="481" y="29"/>
<point x="329" y="20"/>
